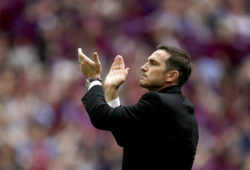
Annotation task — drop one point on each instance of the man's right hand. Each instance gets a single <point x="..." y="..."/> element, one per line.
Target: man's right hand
<point x="89" y="68"/>
<point x="117" y="75"/>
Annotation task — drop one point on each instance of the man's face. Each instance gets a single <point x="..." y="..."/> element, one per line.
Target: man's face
<point x="154" y="73"/>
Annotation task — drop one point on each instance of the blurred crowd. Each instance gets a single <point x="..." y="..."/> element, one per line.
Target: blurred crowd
<point x="43" y="124"/>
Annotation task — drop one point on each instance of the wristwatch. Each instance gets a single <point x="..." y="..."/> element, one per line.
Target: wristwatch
<point x="89" y="80"/>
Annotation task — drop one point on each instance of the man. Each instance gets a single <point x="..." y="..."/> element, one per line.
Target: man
<point x="159" y="132"/>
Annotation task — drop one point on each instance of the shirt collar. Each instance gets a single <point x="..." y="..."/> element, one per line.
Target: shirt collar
<point x="171" y="89"/>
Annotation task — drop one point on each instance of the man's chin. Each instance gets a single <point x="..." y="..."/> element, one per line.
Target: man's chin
<point x="142" y="84"/>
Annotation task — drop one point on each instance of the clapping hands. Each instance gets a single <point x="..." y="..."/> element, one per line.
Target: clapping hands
<point x="92" y="69"/>
<point x="117" y="74"/>
<point x="89" y="68"/>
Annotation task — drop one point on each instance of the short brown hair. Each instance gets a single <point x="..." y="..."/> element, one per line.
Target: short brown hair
<point x="179" y="60"/>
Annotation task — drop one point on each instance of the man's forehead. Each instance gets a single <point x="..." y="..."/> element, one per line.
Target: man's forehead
<point x="159" y="55"/>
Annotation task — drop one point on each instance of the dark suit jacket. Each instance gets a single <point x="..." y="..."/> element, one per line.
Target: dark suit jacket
<point x="158" y="133"/>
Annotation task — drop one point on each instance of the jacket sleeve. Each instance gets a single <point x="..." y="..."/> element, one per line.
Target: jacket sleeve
<point x="104" y="117"/>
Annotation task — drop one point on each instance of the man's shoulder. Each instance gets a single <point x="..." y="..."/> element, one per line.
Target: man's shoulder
<point x="151" y="96"/>
<point x="173" y="99"/>
<point x="161" y="96"/>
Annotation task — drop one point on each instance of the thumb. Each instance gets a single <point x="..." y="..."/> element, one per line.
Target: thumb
<point x="80" y="53"/>
<point x="127" y="69"/>
<point x="96" y="57"/>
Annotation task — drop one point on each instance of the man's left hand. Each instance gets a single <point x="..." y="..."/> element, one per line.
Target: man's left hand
<point x="89" y="68"/>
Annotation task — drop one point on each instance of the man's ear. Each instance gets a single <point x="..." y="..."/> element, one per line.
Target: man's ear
<point x="172" y="76"/>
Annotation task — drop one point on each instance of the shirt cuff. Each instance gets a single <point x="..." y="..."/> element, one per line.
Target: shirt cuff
<point x="94" y="83"/>
<point x="114" y="103"/>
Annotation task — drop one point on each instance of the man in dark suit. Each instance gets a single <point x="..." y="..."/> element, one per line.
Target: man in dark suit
<point x="160" y="132"/>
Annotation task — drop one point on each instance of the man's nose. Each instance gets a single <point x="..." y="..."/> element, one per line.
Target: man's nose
<point x="144" y="67"/>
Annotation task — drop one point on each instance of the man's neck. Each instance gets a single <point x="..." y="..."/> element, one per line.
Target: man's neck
<point x="163" y="87"/>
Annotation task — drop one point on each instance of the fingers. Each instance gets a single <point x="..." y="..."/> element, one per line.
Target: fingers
<point x="115" y="64"/>
<point x="81" y="55"/>
<point x="121" y="62"/>
<point x="80" y="51"/>
<point x="118" y="63"/>
<point x="96" y="58"/>
<point x="82" y="58"/>
<point x="127" y="69"/>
